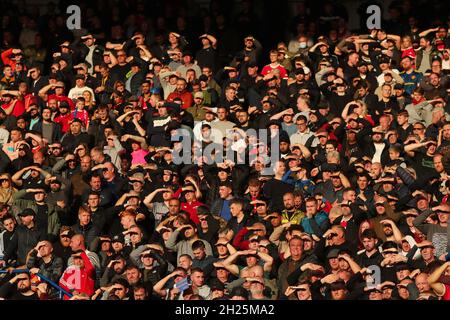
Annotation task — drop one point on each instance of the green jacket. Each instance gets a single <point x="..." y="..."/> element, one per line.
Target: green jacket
<point x="19" y="204"/>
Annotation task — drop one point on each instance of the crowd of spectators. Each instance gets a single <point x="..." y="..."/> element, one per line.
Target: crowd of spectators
<point x="354" y="207"/>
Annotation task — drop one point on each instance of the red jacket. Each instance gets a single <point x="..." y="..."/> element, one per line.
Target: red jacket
<point x="62" y="98"/>
<point x="78" y="279"/>
<point x="185" y="96"/>
<point x="18" y="109"/>
<point x="7" y="60"/>
<point x="191" y="209"/>
<point x="239" y="242"/>
<point x="63" y="121"/>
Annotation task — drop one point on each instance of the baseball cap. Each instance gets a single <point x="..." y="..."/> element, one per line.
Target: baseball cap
<point x="239" y="292"/>
<point x="299" y="71"/>
<point x="198" y="95"/>
<point x="118" y="238"/>
<point x="333" y="254"/>
<point x="399" y="86"/>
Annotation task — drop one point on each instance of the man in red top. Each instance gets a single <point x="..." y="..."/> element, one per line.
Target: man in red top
<point x="65" y="117"/>
<point x="11" y="57"/>
<point x="58" y="94"/>
<point x="191" y="204"/>
<point x="11" y="104"/>
<point x="274" y="65"/>
<point x="182" y="93"/>
<point x="79" y="276"/>
<point x="435" y="280"/>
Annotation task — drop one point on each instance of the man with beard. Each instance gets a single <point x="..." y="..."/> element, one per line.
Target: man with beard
<point x="74" y="137"/>
<point x="371" y="255"/>
<point x="22" y="291"/>
<point x="184" y="246"/>
<point x="64" y="118"/>
<point x="33" y="113"/>
<point x="290" y="214"/>
<point x="11" y="105"/>
<point x="50" y="130"/>
<point x="114" y="270"/>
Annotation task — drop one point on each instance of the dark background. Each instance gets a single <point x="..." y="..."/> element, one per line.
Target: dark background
<point x="230" y="21"/>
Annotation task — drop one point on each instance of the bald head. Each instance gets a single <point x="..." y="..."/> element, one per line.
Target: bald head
<point x="77" y="243"/>
<point x="422" y="282"/>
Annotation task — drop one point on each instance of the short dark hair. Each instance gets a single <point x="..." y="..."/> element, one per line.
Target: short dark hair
<point x="301" y="117"/>
<point x="8" y="216"/>
<point x="368" y="234"/>
<point x="238" y="202"/>
<point x="197" y="270"/>
<point x="198" y="244"/>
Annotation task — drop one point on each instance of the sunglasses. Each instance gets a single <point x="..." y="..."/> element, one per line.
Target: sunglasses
<point x="3" y="180"/>
<point x="301" y="289"/>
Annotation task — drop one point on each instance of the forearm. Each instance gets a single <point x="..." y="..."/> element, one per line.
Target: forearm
<point x="354" y="266"/>
<point x="414" y="146"/>
<point x="148" y="199"/>
<point x="158" y="287"/>
<point x="171" y="243"/>
<point x="434" y="277"/>
<point x="230" y="259"/>
<point x="397" y="234"/>
<point x="276" y="234"/>
<point x="17" y="176"/>
<point x="44" y="90"/>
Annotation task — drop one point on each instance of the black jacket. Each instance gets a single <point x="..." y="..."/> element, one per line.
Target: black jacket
<point x="56" y="132"/>
<point x="52" y="270"/>
<point x="90" y="232"/>
<point x="22" y="242"/>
